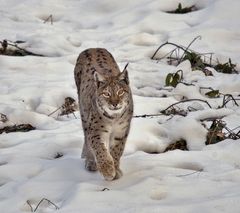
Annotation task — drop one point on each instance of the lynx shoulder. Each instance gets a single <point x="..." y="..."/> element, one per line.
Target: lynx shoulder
<point x="106" y="108"/>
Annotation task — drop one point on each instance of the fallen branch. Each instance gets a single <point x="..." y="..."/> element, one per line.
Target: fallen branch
<point x="17" y="128"/>
<point x="6" y="43"/>
<point x="163" y="111"/>
<point x="188" y="100"/>
<point x="147" y="115"/>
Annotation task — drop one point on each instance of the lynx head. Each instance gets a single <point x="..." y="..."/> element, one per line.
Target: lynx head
<point x="112" y="92"/>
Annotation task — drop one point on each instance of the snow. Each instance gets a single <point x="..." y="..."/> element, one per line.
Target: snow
<point x="204" y="179"/>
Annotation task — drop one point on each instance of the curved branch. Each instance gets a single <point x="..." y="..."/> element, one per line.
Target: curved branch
<point x="188" y="100"/>
<point x="198" y="37"/>
<point x="179" y="102"/>
<point x="180" y="47"/>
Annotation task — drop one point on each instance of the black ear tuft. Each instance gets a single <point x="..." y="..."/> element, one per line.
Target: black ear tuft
<point x="123" y="76"/>
<point x="99" y="79"/>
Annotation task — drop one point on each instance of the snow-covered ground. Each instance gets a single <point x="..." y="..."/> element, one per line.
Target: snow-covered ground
<point x="204" y="179"/>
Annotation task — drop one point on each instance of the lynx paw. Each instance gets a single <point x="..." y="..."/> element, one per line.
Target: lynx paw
<point x="90" y="165"/>
<point x="107" y="169"/>
<point x="118" y="173"/>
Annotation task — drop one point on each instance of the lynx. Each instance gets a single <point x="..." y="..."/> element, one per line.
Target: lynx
<point x="106" y="108"/>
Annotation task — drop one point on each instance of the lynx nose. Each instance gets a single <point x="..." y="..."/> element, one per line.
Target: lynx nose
<point x="114" y="104"/>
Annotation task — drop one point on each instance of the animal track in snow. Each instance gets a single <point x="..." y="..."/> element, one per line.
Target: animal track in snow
<point x="158" y="194"/>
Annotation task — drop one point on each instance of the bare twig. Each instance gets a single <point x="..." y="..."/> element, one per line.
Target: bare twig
<point x="14" y="44"/>
<point x="235" y="128"/>
<point x="28" y="202"/>
<point x="41" y="201"/>
<point x="162" y="111"/>
<point x="59" y="108"/>
<point x="55" y="110"/>
<point x="227" y="98"/>
<point x="210" y="88"/>
<point x="213" y="118"/>
<point x="232" y="134"/>
<point x="190" y="173"/>
<point x="188" y="100"/>
<point x="186" y="50"/>
<point x="74" y="115"/>
<point x="49" y="18"/>
<point x="187" y="84"/>
<point x="180" y="47"/>
<point x="176" y="51"/>
<point x="147" y="115"/>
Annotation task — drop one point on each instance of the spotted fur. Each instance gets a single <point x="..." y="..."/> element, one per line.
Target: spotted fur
<point x="106" y="109"/>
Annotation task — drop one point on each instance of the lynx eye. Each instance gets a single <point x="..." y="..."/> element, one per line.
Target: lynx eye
<point x="106" y="94"/>
<point x="120" y="92"/>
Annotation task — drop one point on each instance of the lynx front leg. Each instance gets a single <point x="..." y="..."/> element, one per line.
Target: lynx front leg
<point x="116" y="151"/>
<point x="104" y="160"/>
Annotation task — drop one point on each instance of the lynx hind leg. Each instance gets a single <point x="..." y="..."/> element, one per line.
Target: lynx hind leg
<point x="84" y="151"/>
<point x="90" y="163"/>
<point x="118" y="174"/>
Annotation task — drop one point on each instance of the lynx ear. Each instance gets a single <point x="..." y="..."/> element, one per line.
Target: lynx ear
<point x="123" y="76"/>
<point x="99" y="79"/>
